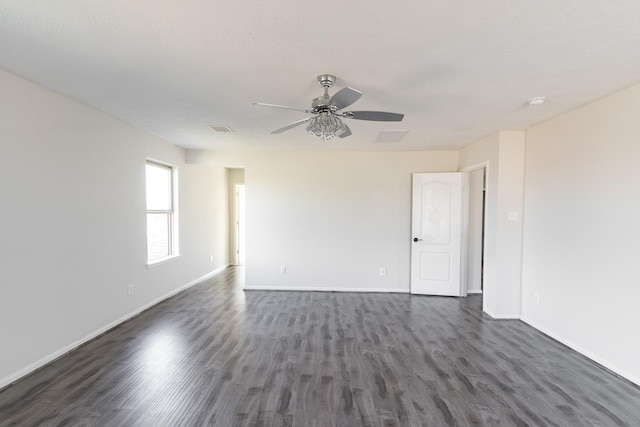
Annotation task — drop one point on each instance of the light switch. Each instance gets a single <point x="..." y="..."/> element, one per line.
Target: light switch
<point x="513" y="216"/>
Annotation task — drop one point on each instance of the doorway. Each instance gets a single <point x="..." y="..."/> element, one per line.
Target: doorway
<point x="239" y="223"/>
<point x="468" y="258"/>
<point x="438" y="225"/>
<point x="236" y="216"/>
<point x="476" y="228"/>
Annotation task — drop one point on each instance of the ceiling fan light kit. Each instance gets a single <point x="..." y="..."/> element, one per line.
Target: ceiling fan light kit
<point x="326" y="122"/>
<point x="325" y="126"/>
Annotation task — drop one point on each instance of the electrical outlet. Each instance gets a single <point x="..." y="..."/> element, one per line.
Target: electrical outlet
<point x="536" y="299"/>
<point x="383" y="271"/>
<point x="283" y="269"/>
<point x="130" y="289"/>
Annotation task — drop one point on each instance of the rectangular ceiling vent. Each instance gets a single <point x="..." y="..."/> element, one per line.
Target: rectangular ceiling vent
<point x="221" y="129"/>
<point x="391" y="136"/>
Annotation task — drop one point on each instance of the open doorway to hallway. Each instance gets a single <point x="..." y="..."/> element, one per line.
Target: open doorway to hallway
<point x="239" y="224"/>
<point x="476" y="230"/>
<point x="235" y="179"/>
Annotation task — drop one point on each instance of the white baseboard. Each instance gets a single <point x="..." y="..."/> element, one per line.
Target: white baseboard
<point x="9" y="379"/>
<point x="605" y="363"/>
<point x="504" y="316"/>
<point x="324" y="289"/>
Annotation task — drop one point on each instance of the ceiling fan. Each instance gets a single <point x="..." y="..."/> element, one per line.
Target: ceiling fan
<point x="326" y="121"/>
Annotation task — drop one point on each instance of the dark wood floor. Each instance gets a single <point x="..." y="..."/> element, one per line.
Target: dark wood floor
<point x="214" y="355"/>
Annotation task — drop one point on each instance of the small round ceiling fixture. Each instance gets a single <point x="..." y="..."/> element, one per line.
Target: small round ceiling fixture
<point x="538" y="100"/>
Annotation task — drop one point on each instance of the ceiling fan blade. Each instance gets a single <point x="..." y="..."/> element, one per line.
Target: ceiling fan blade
<point x="379" y="116"/>
<point x="346" y="133"/>
<point x="345" y="97"/>
<point x="291" y="125"/>
<point x="284" y="107"/>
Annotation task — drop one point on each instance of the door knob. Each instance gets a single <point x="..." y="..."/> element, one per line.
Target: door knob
<point x="415" y="239"/>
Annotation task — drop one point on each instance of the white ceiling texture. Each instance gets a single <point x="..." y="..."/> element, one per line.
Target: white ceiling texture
<point x="457" y="69"/>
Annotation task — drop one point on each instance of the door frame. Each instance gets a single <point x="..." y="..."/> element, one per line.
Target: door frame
<point x="238" y="223"/>
<point x="482" y="165"/>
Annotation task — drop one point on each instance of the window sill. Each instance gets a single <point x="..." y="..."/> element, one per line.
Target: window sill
<point x="164" y="260"/>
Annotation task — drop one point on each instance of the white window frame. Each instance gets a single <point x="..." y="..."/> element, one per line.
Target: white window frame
<point x="173" y="229"/>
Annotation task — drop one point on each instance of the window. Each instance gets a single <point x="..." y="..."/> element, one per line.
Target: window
<point x="161" y="236"/>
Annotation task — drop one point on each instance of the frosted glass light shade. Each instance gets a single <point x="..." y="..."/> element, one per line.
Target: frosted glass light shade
<point x="325" y="126"/>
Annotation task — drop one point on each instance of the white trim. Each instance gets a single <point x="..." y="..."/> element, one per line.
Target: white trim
<point x="464" y="234"/>
<point x="605" y="363"/>
<point x="501" y="316"/>
<point x="485" y="225"/>
<point x="164" y="260"/>
<point x="174" y="212"/>
<point x="474" y="292"/>
<point x="505" y="316"/>
<point x="324" y="289"/>
<point x="9" y="379"/>
<point x="475" y="167"/>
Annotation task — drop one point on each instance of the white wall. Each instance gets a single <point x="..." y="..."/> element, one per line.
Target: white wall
<point x="72" y="185"/>
<point x="333" y="218"/>
<point x="503" y="153"/>
<point x="582" y="230"/>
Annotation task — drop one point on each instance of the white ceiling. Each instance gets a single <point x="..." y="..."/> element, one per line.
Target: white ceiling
<point x="457" y="69"/>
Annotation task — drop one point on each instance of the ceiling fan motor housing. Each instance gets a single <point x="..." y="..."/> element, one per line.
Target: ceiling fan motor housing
<point x="321" y="103"/>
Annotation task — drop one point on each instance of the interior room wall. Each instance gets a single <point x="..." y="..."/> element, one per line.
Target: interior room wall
<point x="332" y="219"/>
<point x="509" y="223"/>
<point x="503" y="153"/>
<point x="582" y="231"/>
<point x="73" y="227"/>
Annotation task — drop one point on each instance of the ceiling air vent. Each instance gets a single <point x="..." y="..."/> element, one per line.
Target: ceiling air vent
<point x="391" y="136"/>
<point x="221" y="129"/>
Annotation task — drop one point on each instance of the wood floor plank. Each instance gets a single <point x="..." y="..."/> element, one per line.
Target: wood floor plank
<point x="217" y="356"/>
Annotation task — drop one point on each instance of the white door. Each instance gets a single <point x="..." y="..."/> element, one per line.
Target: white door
<point x="437" y="227"/>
